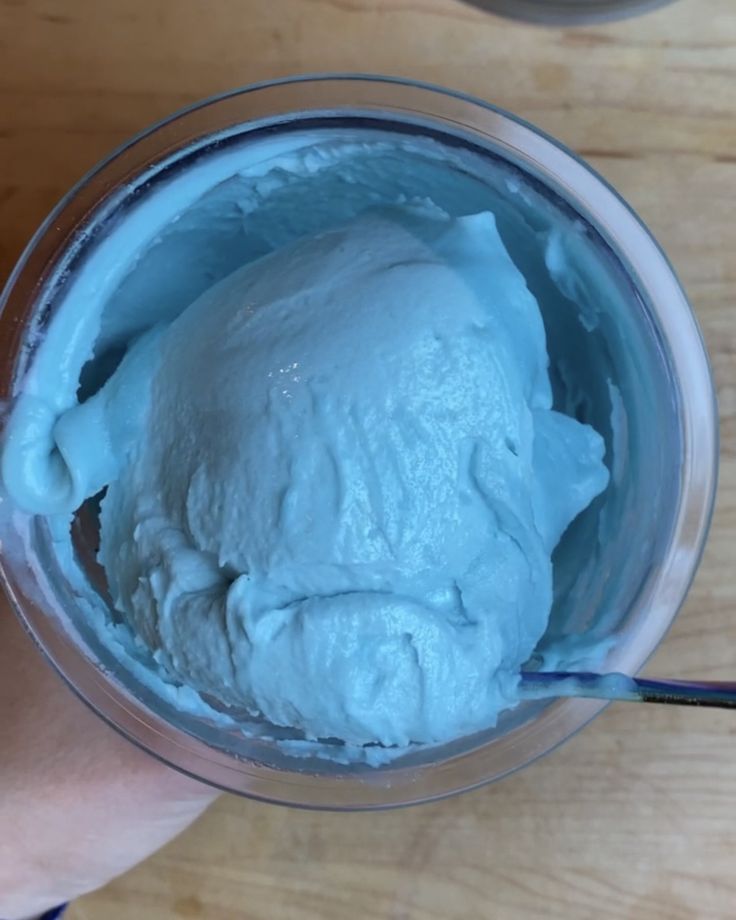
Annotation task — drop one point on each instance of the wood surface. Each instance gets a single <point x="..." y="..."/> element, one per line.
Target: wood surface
<point x="636" y="817"/>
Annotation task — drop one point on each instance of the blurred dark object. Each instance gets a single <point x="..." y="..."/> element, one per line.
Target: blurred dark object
<point x="568" y="12"/>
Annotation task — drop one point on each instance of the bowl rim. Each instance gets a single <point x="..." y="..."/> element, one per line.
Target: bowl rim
<point x="282" y="101"/>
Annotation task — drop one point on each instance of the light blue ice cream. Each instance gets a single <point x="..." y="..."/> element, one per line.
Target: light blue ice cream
<point x="335" y="480"/>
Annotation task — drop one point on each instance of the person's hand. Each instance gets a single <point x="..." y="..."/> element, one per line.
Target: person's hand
<point x="78" y="804"/>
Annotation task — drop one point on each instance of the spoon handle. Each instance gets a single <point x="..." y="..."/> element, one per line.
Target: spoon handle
<point x="546" y="684"/>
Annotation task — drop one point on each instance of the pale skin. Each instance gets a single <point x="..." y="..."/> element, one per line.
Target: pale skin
<point x="82" y="804"/>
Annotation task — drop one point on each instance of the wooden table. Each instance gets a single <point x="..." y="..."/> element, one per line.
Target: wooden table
<point x="636" y="817"/>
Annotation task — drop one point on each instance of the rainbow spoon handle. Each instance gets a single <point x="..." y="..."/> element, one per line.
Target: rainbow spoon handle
<point x="619" y="687"/>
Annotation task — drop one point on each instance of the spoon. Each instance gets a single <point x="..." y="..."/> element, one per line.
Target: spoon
<point x="618" y="687"/>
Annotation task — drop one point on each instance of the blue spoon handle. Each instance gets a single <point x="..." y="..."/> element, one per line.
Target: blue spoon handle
<point x="546" y="684"/>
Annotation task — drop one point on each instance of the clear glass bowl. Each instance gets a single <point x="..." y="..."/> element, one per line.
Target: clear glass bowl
<point x="569" y="12"/>
<point x="660" y="514"/>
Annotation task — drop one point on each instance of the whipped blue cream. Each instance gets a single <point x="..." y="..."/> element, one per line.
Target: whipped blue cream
<point x="335" y="479"/>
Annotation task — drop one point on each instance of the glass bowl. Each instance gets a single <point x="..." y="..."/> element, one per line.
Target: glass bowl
<point x="569" y="12"/>
<point x="661" y="431"/>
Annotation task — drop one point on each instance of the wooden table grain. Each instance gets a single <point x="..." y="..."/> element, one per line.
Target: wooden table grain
<point x="635" y="819"/>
